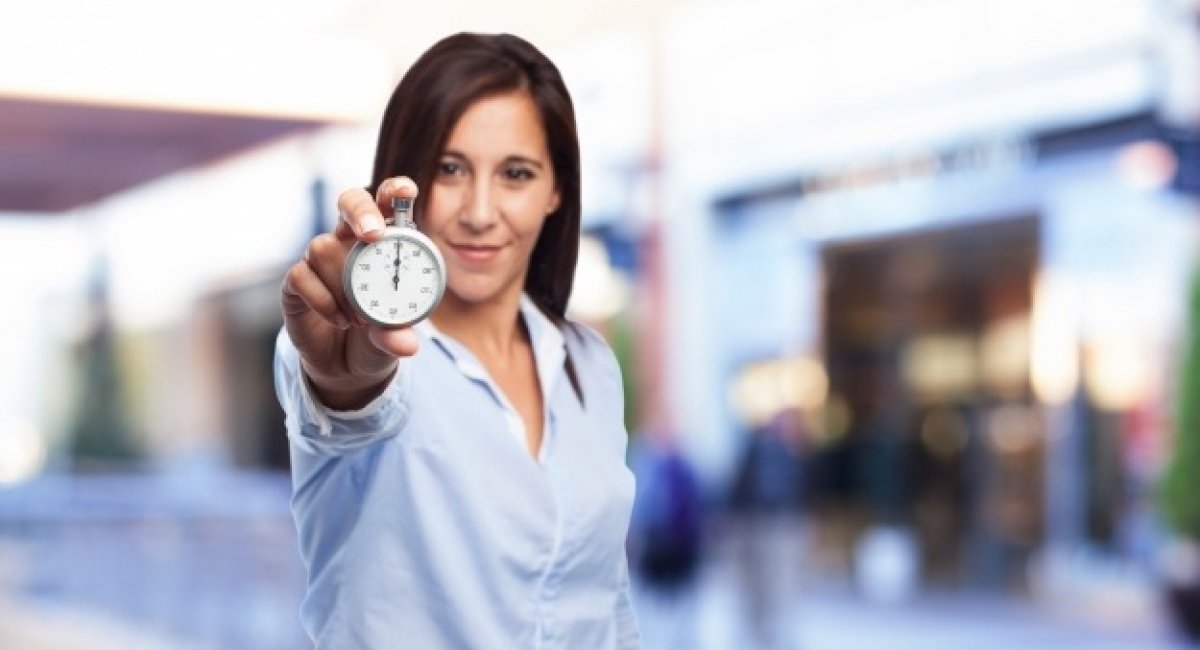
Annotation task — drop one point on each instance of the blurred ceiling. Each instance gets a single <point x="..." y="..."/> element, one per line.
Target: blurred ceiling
<point x="101" y="97"/>
<point x="55" y="156"/>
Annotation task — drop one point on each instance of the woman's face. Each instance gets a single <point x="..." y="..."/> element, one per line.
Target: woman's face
<point x="492" y="190"/>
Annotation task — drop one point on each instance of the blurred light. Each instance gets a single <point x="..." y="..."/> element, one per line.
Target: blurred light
<point x="599" y="292"/>
<point x="886" y="564"/>
<point x="22" y="452"/>
<point x="839" y="417"/>
<point x="830" y="421"/>
<point x="1054" y="363"/>
<point x="754" y="395"/>
<point x="1117" y="372"/>
<point x="764" y="389"/>
<point x="802" y="383"/>
<point x="1004" y="352"/>
<point x="1013" y="429"/>
<point x="944" y="433"/>
<point x="940" y="366"/>
<point x="1147" y="165"/>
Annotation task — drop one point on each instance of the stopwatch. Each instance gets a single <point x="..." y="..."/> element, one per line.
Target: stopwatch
<point x="400" y="278"/>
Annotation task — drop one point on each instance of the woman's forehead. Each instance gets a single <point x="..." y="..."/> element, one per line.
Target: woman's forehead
<point x="509" y="123"/>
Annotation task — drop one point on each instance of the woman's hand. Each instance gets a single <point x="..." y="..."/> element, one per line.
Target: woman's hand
<point x="347" y="362"/>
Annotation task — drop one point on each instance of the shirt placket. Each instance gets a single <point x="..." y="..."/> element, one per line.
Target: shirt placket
<point x="550" y="634"/>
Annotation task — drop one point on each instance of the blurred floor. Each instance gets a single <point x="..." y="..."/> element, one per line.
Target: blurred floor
<point x="205" y="560"/>
<point x="140" y="563"/>
<point x="27" y="626"/>
<point x="837" y="621"/>
<point x="824" y="613"/>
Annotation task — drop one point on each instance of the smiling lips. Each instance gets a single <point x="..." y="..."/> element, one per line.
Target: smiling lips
<point x="476" y="253"/>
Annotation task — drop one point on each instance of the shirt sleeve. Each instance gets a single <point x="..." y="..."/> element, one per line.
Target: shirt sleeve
<point x="319" y="430"/>
<point x="628" y="636"/>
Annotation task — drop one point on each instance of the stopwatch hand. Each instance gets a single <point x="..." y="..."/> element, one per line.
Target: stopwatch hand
<point x="396" y="269"/>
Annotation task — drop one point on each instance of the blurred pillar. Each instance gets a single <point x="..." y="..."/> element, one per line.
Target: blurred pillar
<point x="650" y="335"/>
<point x="654" y="409"/>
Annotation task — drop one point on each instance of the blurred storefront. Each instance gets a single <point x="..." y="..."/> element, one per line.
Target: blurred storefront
<point x="950" y="240"/>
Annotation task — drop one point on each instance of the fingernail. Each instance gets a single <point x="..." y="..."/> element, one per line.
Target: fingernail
<point x="372" y="224"/>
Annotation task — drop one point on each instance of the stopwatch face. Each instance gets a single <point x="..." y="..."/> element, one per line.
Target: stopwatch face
<point x="397" y="280"/>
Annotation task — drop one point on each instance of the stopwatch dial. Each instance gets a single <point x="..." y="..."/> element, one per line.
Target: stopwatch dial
<point x="395" y="281"/>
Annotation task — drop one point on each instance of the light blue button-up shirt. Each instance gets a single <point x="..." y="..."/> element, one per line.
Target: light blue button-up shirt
<point x="425" y="523"/>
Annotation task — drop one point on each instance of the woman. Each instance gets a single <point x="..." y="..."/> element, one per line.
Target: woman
<point x="461" y="483"/>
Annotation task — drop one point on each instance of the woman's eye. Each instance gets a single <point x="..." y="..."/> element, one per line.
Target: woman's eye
<point x="517" y="174"/>
<point x="449" y="168"/>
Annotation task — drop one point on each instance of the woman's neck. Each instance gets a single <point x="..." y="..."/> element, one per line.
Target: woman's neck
<point x="490" y="329"/>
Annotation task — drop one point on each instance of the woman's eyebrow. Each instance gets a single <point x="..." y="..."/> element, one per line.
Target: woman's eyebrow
<point x="513" y="158"/>
<point x="533" y="162"/>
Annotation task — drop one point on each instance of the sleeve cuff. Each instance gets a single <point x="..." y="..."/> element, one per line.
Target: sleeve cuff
<point x="325" y="418"/>
<point x="321" y="430"/>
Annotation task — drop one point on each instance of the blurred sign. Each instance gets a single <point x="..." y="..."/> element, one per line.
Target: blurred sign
<point x="921" y="164"/>
<point x="897" y="167"/>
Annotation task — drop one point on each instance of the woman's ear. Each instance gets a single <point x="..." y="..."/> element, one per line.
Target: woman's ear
<point x="555" y="199"/>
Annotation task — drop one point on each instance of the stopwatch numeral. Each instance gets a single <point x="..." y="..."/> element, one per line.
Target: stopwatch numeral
<point x="364" y="286"/>
<point x="364" y="267"/>
<point x="412" y="305"/>
<point x="426" y="289"/>
<point x="393" y="311"/>
<point x="416" y="252"/>
<point x="378" y="251"/>
<point x="427" y="271"/>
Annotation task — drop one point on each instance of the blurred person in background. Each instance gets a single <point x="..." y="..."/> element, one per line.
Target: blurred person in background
<point x="666" y="538"/>
<point x="765" y="500"/>
<point x="461" y="483"/>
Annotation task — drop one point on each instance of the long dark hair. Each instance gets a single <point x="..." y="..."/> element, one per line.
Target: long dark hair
<point x="433" y="95"/>
<point x="435" y="92"/>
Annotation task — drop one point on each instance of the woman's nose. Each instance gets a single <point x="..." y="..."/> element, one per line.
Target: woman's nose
<point x="479" y="213"/>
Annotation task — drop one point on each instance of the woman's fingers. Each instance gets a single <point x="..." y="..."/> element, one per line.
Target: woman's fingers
<point x="359" y="217"/>
<point x="397" y="342"/>
<point x="304" y="289"/>
<point x="326" y="256"/>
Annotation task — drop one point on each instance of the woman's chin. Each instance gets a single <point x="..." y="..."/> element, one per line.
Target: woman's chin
<point x="473" y="293"/>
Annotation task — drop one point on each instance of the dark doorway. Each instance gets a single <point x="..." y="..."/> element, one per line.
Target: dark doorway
<point x="926" y="346"/>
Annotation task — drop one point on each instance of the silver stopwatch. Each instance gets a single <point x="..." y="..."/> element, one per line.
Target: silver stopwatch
<point x="400" y="278"/>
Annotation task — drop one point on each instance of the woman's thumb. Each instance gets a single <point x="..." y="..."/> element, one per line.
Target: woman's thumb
<point x="397" y="342"/>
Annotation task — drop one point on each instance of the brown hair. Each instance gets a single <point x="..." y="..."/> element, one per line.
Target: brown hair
<point x="435" y="92"/>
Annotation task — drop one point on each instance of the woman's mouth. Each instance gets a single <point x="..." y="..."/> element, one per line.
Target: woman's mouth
<point x="476" y="253"/>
